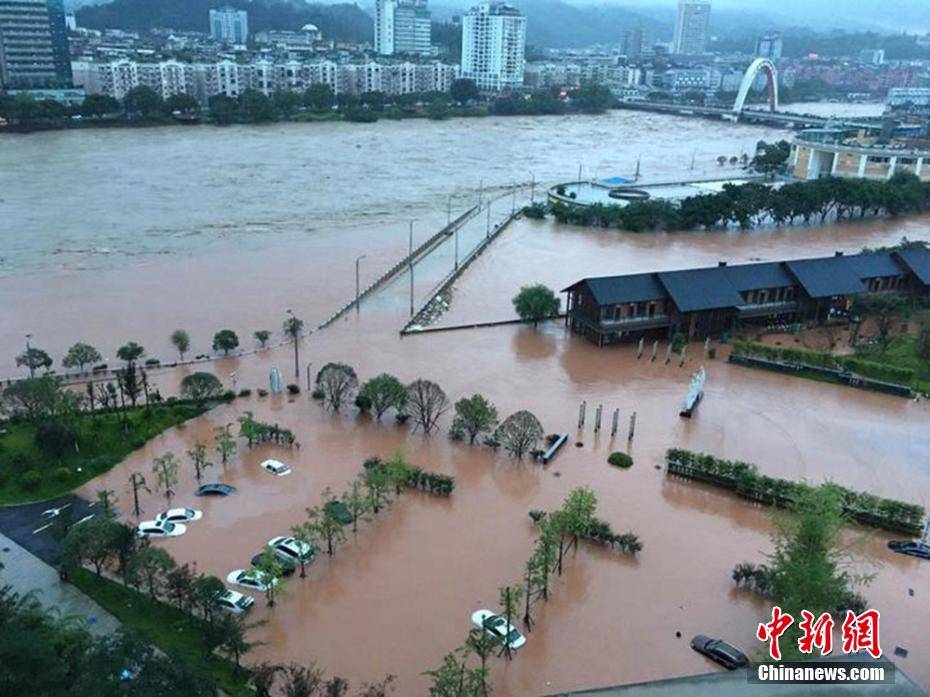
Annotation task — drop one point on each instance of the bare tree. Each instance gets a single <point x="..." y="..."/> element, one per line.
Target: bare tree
<point x="426" y="402"/>
<point x="339" y="383"/>
<point x="519" y="433"/>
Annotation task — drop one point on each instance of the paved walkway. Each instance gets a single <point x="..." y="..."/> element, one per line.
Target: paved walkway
<point x="25" y="573"/>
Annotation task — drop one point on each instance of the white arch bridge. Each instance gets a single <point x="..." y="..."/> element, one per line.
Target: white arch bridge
<point x="771" y="77"/>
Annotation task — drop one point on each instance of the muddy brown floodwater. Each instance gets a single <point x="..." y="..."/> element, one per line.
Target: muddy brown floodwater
<point x="399" y="595"/>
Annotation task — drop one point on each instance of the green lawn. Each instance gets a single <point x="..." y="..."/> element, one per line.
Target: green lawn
<point x="901" y="353"/>
<point x="173" y="631"/>
<point x="102" y="444"/>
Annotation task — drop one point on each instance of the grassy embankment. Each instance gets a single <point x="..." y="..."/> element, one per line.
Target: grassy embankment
<point x="103" y="442"/>
<point x="174" y="631"/>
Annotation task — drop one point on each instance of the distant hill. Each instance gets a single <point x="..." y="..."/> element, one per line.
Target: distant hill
<point x="343" y="22"/>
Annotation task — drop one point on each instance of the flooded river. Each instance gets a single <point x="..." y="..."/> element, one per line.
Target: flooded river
<point x="399" y="595"/>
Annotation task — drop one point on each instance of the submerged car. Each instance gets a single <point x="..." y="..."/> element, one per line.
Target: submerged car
<point x="497" y="626"/>
<point x="291" y="549"/>
<point x="287" y="567"/>
<point x="277" y="468"/>
<point x="251" y="578"/>
<point x="159" y="528"/>
<point x="915" y="549"/>
<point x="234" y="601"/>
<point x="179" y="515"/>
<point x="215" y="489"/>
<point x="720" y="652"/>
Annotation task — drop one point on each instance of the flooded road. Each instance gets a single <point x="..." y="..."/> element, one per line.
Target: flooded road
<point x="399" y="595"/>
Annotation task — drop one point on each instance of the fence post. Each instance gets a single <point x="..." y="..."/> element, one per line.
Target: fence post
<point x="597" y="418"/>
<point x="581" y="410"/>
<point x="632" y="426"/>
<point x="615" y="424"/>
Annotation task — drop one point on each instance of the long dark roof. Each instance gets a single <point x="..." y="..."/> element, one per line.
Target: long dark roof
<point x="700" y="289"/>
<point x="718" y="287"/>
<point x="918" y="261"/>
<point x="826" y="277"/>
<point x="617" y="290"/>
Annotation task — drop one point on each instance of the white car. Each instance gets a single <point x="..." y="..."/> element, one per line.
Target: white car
<point x="292" y="550"/>
<point x="179" y="515"/>
<point x="251" y="578"/>
<point x="158" y="528"/>
<point x="276" y="468"/>
<point x="497" y="626"/>
<point x="235" y="602"/>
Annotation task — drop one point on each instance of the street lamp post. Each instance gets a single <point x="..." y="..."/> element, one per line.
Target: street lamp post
<point x="456" y="249"/>
<point x="411" y="290"/>
<point x="357" y="287"/>
<point x="410" y="244"/>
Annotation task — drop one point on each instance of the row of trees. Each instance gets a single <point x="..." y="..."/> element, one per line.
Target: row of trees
<point x="103" y="542"/>
<point x="82" y="356"/>
<point x="749" y="205"/>
<point x="560" y="532"/>
<point x="425" y="403"/>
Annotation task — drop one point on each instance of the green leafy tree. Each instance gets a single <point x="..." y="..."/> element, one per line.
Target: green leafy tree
<point x="106" y="499"/>
<point x="256" y="107"/>
<point x="150" y="566"/>
<point x="235" y="643"/>
<point x="464" y="90"/>
<point x="377" y="488"/>
<point x="883" y="309"/>
<point x="358" y="504"/>
<point x="97" y="105"/>
<point x="510" y="602"/>
<point x="225" y="443"/>
<point x="222" y="110"/>
<point x="181" y="341"/>
<point x="130" y="353"/>
<point x="483" y="646"/>
<point x="80" y="355"/>
<point x="182" y="104"/>
<point x="454" y="679"/>
<point x="272" y="571"/>
<point x="319" y="96"/>
<point x="326" y="526"/>
<point x="93" y="541"/>
<point x="34" y="359"/>
<point x="204" y="592"/>
<point x="473" y="416"/>
<point x="225" y="340"/>
<point x="535" y="303"/>
<point x="306" y="533"/>
<point x="144" y="101"/>
<point x="165" y="469"/>
<point x="384" y="392"/>
<point x="293" y="329"/>
<point x="201" y="386"/>
<point x="262" y="336"/>
<point x="42" y="399"/>
<point x="137" y="483"/>
<point x="198" y="455"/>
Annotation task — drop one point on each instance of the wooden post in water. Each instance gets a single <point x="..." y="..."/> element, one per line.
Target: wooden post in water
<point x="684" y="354"/>
<point x="615" y="424"/>
<point x="632" y="426"/>
<point x="655" y="350"/>
<point x="581" y="410"/>
<point x="668" y="354"/>
<point x="706" y="347"/>
<point x="642" y="344"/>
<point x="597" y="418"/>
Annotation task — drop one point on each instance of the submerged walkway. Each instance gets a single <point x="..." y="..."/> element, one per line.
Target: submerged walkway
<point x="25" y="573"/>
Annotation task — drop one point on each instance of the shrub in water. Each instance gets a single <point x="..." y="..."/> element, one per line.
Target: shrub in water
<point x="62" y="474"/>
<point x="619" y="459"/>
<point x="293" y="389"/>
<point x="245" y="392"/>
<point x="318" y="394"/>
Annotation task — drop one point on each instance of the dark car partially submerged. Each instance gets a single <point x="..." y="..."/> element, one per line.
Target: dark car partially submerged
<point x="216" y="489"/>
<point x="914" y="549"/>
<point x="720" y="652"/>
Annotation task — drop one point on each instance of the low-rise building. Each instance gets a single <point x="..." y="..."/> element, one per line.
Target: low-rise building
<point x="699" y="303"/>
<point x="840" y="153"/>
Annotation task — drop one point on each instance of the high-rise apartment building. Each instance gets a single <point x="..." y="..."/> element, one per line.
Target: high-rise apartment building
<point x="402" y="27"/>
<point x="692" y="27"/>
<point x="770" y="46"/>
<point x="34" y="44"/>
<point x="494" y="46"/>
<point x="230" y="25"/>
<point x="635" y="43"/>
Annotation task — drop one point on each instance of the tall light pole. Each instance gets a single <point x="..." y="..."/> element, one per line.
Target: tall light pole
<point x="410" y="246"/>
<point x="357" y="307"/>
<point x="294" y="326"/>
<point x="32" y="370"/>
<point x="456" y="249"/>
<point x="411" y="289"/>
<point x="488" y="231"/>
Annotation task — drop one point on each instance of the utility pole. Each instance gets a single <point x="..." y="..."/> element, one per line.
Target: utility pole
<point x="411" y="290"/>
<point x="357" y="286"/>
<point x="410" y="246"/>
<point x="32" y="370"/>
<point x="456" y="249"/>
<point x="308" y="378"/>
<point x="488" y="233"/>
